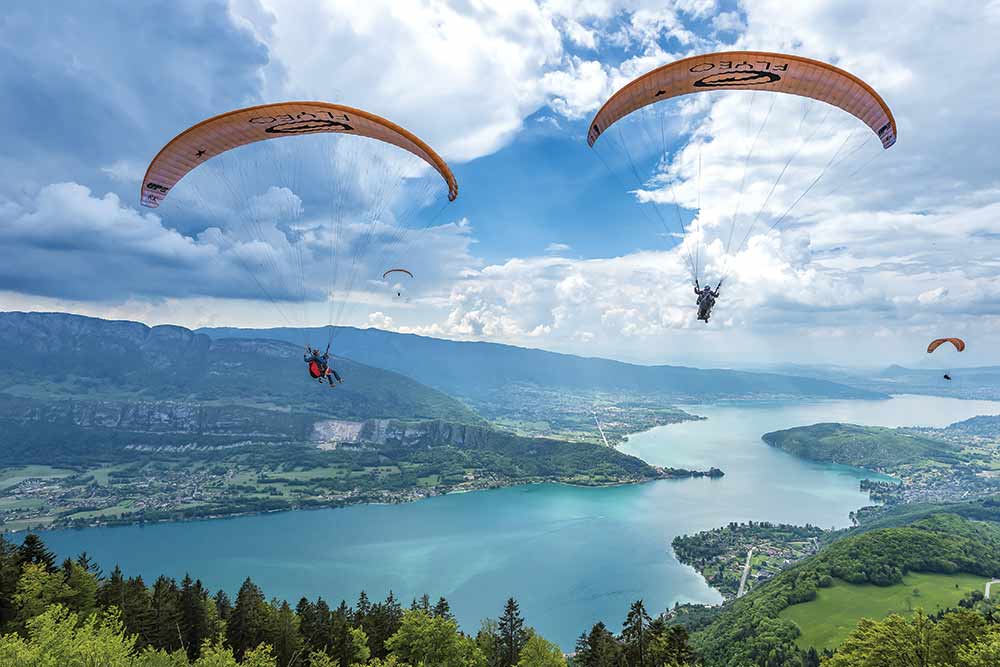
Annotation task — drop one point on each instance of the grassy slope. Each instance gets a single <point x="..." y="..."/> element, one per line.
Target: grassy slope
<point x="828" y="619"/>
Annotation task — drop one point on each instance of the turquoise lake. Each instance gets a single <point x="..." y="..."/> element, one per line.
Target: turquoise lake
<point x="571" y="556"/>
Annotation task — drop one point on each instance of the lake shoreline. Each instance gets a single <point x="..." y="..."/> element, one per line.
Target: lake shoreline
<point x="549" y="545"/>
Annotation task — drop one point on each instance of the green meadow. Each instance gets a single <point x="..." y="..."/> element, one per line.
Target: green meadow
<point x="828" y="619"/>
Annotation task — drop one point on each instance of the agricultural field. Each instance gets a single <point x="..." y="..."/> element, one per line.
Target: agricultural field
<point x="10" y="477"/>
<point x="828" y="619"/>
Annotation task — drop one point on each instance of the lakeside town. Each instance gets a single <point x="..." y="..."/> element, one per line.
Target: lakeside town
<point x="735" y="558"/>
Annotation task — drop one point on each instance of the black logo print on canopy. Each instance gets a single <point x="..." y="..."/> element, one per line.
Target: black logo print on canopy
<point x="743" y="78"/>
<point x="308" y="125"/>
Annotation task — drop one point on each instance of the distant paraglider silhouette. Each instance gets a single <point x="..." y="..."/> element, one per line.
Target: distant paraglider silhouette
<point x="399" y="292"/>
<point x="938" y="342"/>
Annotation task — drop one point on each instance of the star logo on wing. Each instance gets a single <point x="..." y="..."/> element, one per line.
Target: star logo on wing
<point x="200" y="153"/>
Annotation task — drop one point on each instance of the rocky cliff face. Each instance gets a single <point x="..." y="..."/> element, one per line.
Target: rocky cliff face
<point x="394" y="433"/>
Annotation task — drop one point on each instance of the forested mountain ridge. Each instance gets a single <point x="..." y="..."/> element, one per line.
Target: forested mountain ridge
<point x="477" y="369"/>
<point x="55" y="356"/>
<point x="872" y="447"/>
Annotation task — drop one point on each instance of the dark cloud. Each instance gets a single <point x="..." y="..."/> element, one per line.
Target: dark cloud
<point x="83" y="85"/>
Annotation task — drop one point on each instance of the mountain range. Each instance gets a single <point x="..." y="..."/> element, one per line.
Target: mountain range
<point x="477" y="369"/>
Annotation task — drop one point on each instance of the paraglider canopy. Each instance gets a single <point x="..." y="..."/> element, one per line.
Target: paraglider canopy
<point x="957" y="342"/>
<point x="305" y="216"/>
<point x="751" y="70"/>
<point x="221" y="133"/>
<point x="655" y="148"/>
<point x="390" y="271"/>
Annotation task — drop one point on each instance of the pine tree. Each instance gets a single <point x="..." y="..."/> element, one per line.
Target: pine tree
<point x="309" y="626"/>
<point x="283" y="634"/>
<point x="137" y="611"/>
<point x="223" y="607"/>
<point x="341" y="640"/>
<point x="383" y="622"/>
<point x="599" y="648"/>
<point x="87" y="563"/>
<point x="443" y="610"/>
<point x="112" y="590"/>
<point x="362" y="610"/>
<point x="635" y="634"/>
<point x="513" y="634"/>
<point x="196" y="624"/>
<point x="165" y="623"/>
<point x="394" y="612"/>
<point x="33" y="551"/>
<point x="247" y="626"/>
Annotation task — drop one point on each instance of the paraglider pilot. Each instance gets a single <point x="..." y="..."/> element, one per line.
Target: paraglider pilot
<point x="706" y="299"/>
<point x="319" y="366"/>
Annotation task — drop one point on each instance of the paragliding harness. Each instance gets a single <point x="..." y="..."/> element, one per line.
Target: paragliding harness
<point x="319" y="369"/>
<point x="706" y="300"/>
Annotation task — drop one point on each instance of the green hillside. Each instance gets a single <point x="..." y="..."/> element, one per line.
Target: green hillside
<point x="827" y="620"/>
<point x="751" y="628"/>
<point x="861" y="446"/>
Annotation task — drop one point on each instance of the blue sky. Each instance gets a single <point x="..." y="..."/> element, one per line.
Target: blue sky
<point x="544" y="246"/>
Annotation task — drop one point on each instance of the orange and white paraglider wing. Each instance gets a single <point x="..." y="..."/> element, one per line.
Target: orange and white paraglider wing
<point x="751" y="70"/>
<point x="957" y="342"/>
<point x="271" y="121"/>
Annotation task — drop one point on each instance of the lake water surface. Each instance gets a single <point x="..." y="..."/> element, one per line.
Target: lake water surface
<point x="571" y="556"/>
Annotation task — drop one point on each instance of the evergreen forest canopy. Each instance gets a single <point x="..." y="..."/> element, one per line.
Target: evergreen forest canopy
<point x="73" y="613"/>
